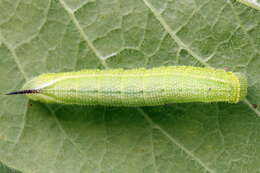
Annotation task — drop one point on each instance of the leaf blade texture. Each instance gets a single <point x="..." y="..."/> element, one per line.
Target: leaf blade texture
<point x="55" y="36"/>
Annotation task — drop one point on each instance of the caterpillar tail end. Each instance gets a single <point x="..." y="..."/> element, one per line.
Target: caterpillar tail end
<point x="243" y="85"/>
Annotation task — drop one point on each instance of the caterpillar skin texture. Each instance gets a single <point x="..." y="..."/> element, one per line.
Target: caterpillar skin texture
<point x="138" y="87"/>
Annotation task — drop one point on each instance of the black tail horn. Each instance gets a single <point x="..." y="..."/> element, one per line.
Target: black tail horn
<point x="33" y="91"/>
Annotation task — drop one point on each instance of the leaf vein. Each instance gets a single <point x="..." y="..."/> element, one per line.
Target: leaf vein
<point x="82" y="33"/>
<point x="183" y="148"/>
<point x="66" y="135"/>
<point x="14" y="57"/>
<point x="25" y="77"/>
<point x="173" y="34"/>
<point x="184" y="46"/>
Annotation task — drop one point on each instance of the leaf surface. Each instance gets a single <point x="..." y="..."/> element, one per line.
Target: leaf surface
<point x="65" y="35"/>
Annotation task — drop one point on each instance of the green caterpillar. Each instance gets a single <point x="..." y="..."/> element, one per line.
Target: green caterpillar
<point x="251" y="3"/>
<point x="137" y="87"/>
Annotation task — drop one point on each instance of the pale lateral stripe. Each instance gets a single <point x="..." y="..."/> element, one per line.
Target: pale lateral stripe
<point x="251" y="3"/>
<point x="120" y="75"/>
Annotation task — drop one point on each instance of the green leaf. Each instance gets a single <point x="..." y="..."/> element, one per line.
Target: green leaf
<point x="5" y="169"/>
<point x="52" y="36"/>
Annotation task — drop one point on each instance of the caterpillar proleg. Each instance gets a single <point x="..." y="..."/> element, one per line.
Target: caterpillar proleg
<point x="137" y="87"/>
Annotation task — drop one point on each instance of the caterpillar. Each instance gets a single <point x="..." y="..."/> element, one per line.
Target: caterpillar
<point x="137" y="87"/>
<point x="251" y="3"/>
